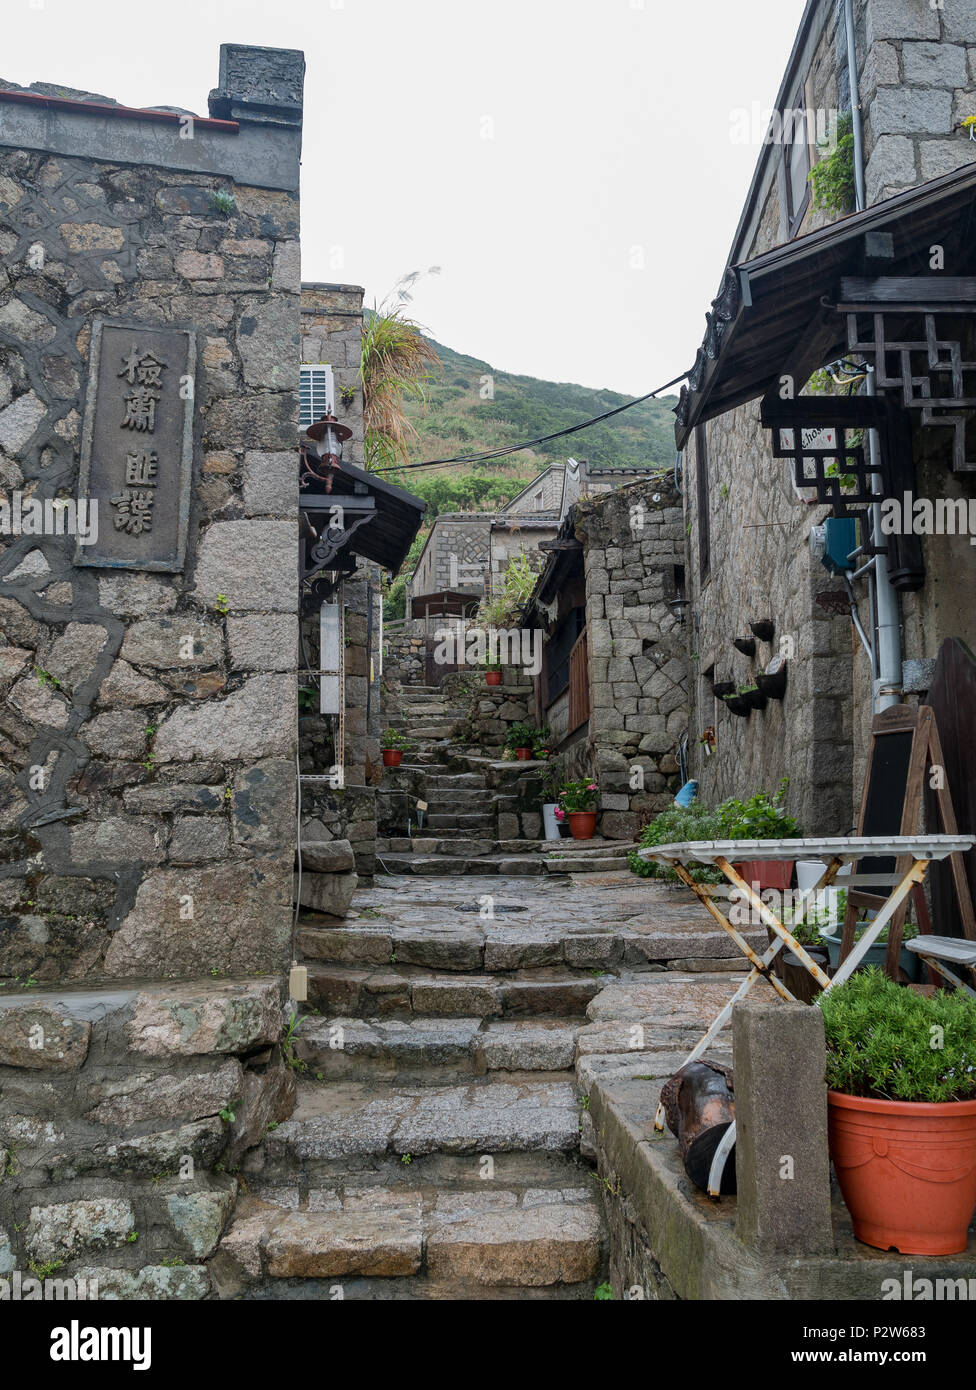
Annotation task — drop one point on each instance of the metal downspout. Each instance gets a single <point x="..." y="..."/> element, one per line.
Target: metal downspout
<point x="887" y="682"/>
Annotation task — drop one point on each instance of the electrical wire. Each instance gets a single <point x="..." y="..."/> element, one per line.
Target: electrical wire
<point x="531" y="443"/>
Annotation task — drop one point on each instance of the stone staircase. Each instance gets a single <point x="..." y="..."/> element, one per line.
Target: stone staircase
<point x="434" y="1152"/>
<point x="470" y="794"/>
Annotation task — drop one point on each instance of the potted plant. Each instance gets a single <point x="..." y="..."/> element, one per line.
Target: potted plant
<point x="722" y="688"/>
<point x="577" y="802"/>
<point x="752" y="696"/>
<point x="772" y="681"/>
<point x="540" y="744"/>
<point x="763" y="628"/>
<point x="902" y="1112"/>
<point x="736" y="705"/>
<point x="762" y="817"/>
<point x="394" y="746"/>
<point x="876" y="953"/>
<point x="553" y="819"/>
<point x="493" y="673"/>
<point x="521" y="738"/>
<point x="675" y="826"/>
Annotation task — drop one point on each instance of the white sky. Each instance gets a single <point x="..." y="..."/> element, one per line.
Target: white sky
<point x="610" y="131"/>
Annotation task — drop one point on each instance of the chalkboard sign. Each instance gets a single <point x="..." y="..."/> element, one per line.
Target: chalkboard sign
<point x="904" y="747"/>
<point x="887" y="791"/>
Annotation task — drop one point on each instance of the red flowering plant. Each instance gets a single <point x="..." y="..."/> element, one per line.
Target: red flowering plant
<point x="581" y="795"/>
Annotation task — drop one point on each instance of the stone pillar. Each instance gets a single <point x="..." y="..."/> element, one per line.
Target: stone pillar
<point x="781" y="1162"/>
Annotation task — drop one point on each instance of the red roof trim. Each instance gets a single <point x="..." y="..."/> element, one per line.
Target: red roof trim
<point x="100" y="108"/>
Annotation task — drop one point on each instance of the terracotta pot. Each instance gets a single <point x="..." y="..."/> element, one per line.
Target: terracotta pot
<point x="493" y="678"/>
<point x="523" y="754"/>
<point x="392" y="757"/>
<point x="582" y="824"/>
<point x="907" y="1171"/>
<point x="768" y="873"/>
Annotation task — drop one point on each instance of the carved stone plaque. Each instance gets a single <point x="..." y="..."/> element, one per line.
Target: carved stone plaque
<point x="137" y="445"/>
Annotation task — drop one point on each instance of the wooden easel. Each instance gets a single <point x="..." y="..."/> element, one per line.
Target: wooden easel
<point x="905" y="745"/>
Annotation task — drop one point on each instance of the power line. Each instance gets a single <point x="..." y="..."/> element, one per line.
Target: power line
<point x="531" y="443"/>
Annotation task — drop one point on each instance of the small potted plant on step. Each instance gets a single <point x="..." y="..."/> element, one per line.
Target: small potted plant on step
<point x="521" y="738"/>
<point x="577" y="802"/>
<point x="540" y="744"/>
<point x="902" y="1112"/>
<point x="394" y="746"/>
<point x="493" y="673"/>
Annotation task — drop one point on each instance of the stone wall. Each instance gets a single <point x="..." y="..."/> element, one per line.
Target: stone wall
<point x="148" y="719"/>
<point x="762" y="568"/>
<point x="124" y="1116"/>
<point x="338" y="815"/>
<point x="403" y="655"/>
<point x="633" y="560"/>
<point x="916" y="64"/>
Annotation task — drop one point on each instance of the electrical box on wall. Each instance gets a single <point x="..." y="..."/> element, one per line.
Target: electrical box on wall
<point x="840" y="541"/>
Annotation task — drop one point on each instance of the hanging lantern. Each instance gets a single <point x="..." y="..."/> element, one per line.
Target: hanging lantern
<point x="329" y="437"/>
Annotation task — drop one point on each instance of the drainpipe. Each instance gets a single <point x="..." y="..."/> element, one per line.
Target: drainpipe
<point x="887" y="683"/>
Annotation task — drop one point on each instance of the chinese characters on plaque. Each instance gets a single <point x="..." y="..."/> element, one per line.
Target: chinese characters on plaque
<point x="137" y="446"/>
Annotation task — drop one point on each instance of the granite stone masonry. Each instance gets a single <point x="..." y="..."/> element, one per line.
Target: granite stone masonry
<point x="749" y="533"/>
<point x="147" y="690"/>
<point x="141" y="708"/>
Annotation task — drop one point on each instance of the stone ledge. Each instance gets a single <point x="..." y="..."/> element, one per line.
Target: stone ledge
<point x="692" y="1240"/>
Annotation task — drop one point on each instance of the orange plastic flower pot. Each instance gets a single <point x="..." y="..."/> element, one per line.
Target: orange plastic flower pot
<point x="392" y="757"/>
<point x="907" y="1171"/>
<point x="524" y="755"/>
<point x="493" y="678"/>
<point x="582" y="824"/>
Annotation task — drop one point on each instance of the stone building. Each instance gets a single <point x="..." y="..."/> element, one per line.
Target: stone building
<point x="149" y="363"/>
<point x="340" y="732"/>
<point x="613" y="686"/>
<point x="754" y="544"/>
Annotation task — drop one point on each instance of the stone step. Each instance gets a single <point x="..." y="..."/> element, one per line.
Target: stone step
<point x="453" y="935"/>
<point x="388" y="989"/>
<point x="353" y="1121"/>
<point x="433" y="1051"/>
<point x="418" y="1241"/>
<point x="460" y="864"/>
<point x="445" y="843"/>
<point x="458" y="820"/>
<point x="579" y="864"/>
<point x="617" y="849"/>
<point x="472" y="847"/>
<point x="455" y="781"/>
<point x="458" y="798"/>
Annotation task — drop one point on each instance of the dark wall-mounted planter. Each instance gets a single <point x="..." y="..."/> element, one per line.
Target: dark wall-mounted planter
<point x="722" y="688"/>
<point x="755" y="699"/>
<point x="736" y="705"/>
<point x="763" y="629"/>
<point x="745" y="645"/>
<point x="772" y="682"/>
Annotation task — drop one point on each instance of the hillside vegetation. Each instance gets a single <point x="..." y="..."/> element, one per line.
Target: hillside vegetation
<point x="457" y="419"/>
<point x="458" y="416"/>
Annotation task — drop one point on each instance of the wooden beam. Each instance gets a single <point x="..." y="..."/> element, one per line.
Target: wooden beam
<point x="907" y="290"/>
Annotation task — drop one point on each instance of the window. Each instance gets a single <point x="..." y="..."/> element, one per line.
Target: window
<point x="315" y="393"/>
<point x="702" y="490"/>
<point x="557" y="653"/>
<point x="796" y="154"/>
<point x="538" y="501"/>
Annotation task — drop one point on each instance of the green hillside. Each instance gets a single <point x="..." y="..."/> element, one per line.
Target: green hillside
<point x="457" y="420"/>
